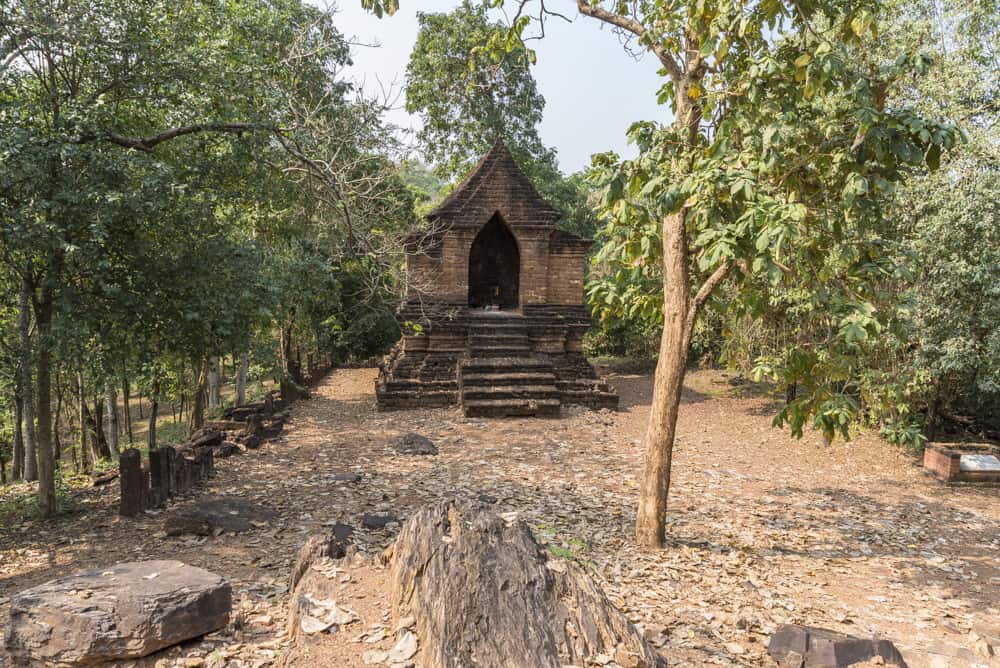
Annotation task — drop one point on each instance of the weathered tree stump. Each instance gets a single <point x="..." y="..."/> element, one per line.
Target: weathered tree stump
<point x="484" y="593"/>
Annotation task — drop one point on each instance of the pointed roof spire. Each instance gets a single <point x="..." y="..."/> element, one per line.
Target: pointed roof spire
<point x="496" y="184"/>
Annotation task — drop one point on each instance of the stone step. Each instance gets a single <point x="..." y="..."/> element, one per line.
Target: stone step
<point x="498" y="351"/>
<point x="416" y="399"/>
<point x="480" y="340"/>
<point x="511" y="407"/>
<point x="401" y="384"/>
<point x="522" y="364"/>
<point x="509" y="392"/>
<point x="508" y="378"/>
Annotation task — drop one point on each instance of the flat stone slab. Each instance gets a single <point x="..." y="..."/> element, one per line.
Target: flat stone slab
<point x="377" y="521"/>
<point x="125" y="611"/>
<point x="218" y="513"/>
<point x="794" y="646"/>
<point x="979" y="463"/>
<point x="415" y="444"/>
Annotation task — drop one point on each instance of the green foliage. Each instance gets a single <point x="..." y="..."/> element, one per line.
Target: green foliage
<point x="469" y="94"/>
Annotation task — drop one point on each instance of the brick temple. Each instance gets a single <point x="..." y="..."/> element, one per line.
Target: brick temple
<point x="494" y="316"/>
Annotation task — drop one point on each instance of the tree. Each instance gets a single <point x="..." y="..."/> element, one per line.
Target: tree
<point x="781" y="138"/>
<point x="468" y="95"/>
<point x="104" y="105"/>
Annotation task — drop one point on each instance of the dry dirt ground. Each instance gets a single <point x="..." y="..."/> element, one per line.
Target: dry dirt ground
<point x="763" y="529"/>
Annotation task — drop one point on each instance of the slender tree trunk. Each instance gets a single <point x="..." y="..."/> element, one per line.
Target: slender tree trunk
<point x="128" y="409"/>
<point x="46" y="465"/>
<point x="241" y="379"/>
<point x="81" y="409"/>
<point x="102" y="437"/>
<point x="141" y="416"/>
<point x="114" y="430"/>
<point x="154" y="404"/>
<point x="17" y="458"/>
<point x="213" y="383"/>
<point x="198" y="409"/>
<point x="56" y="441"/>
<point x="27" y="388"/>
<point x="667" y="385"/>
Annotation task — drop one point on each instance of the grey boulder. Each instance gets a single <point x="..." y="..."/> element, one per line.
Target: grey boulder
<point x="125" y="611"/>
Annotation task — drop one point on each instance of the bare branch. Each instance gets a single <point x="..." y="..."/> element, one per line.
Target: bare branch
<point x="147" y="144"/>
<point x="637" y="29"/>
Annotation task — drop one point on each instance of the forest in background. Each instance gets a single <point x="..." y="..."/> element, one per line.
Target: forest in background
<point x="194" y="196"/>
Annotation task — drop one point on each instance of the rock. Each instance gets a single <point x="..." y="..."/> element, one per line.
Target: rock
<point x="126" y="611"/>
<point x="347" y="477"/>
<point x="220" y="513"/>
<point x="330" y="546"/>
<point x="415" y="444"/>
<point x="405" y="647"/>
<point x="487" y="499"/>
<point x="481" y="593"/>
<point x="377" y="521"/>
<point x="313" y="591"/>
<point x="804" y="646"/>
<point x="342" y="533"/>
<point x="226" y="449"/>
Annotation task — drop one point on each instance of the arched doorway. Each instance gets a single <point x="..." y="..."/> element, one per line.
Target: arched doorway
<point x="494" y="267"/>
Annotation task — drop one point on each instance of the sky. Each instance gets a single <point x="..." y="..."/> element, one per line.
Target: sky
<point x="593" y="89"/>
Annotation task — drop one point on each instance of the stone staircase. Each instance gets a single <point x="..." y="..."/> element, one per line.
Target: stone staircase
<point x="501" y="377"/>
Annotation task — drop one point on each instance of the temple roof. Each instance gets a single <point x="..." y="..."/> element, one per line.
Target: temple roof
<point x="496" y="184"/>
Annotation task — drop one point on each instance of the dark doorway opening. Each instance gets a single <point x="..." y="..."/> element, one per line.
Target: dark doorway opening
<point x="494" y="267"/>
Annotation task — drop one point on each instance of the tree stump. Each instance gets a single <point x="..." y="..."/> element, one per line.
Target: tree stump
<point x="484" y="593"/>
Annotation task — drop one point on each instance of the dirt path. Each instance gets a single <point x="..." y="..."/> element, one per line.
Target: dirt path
<point x="764" y="529"/>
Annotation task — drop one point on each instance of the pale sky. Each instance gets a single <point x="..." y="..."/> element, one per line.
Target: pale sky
<point x="593" y="89"/>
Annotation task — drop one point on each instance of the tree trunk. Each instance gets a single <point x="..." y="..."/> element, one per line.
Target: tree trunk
<point x="154" y="404"/>
<point x="56" y="441"/>
<point x="669" y="379"/>
<point x="141" y="416"/>
<point x="198" y="409"/>
<point x="17" y="457"/>
<point x="241" y="379"/>
<point x="213" y="383"/>
<point x="128" y="409"/>
<point x="98" y="446"/>
<point x="81" y="408"/>
<point x="46" y="465"/>
<point x="114" y="430"/>
<point x="27" y="389"/>
<point x="98" y="424"/>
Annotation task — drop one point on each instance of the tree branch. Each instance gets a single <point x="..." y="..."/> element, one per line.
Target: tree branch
<point x="637" y="29"/>
<point x="149" y="143"/>
<point x="710" y="284"/>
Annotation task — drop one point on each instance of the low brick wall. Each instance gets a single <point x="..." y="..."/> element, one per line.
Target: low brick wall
<point x="943" y="461"/>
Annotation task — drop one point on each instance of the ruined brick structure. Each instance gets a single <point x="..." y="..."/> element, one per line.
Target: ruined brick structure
<point x="494" y="316"/>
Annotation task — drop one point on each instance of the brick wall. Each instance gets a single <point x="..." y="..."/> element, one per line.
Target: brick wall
<point x="565" y="279"/>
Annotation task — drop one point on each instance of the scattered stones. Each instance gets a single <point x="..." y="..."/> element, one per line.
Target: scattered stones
<point x="126" y="611"/>
<point x="217" y="514"/>
<point x="794" y="646"/>
<point x="415" y="444"/>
